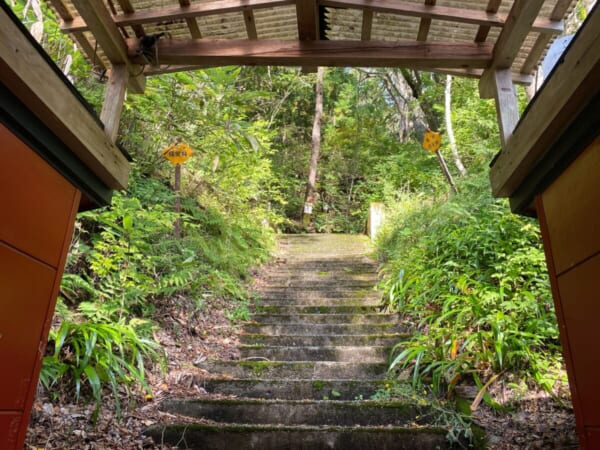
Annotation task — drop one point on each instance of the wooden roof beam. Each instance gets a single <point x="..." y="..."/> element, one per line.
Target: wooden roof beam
<point x="517" y="78"/>
<point x="518" y="25"/>
<point x="172" y="13"/>
<point x="180" y="12"/>
<point x="367" y="24"/>
<point x="461" y="15"/>
<point x="221" y="52"/>
<point x="425" y="24"/>
<point x="191" y="22"/>
<point x="127" y="8"/>
<point x="307" y="13"/>
<point x="109" y="38"/>
<point x="483" y="31"/>
<point x="564" y="95"/>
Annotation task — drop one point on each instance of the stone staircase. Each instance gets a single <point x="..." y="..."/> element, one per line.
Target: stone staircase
<point x="314" y="354"/>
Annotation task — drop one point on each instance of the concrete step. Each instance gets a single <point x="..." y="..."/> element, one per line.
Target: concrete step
<point x="318" y="318"/>
<point x="312" y="309"/>
<point x="301" y="412"/>
<point x="271" y="437"/>
<point x="385" y="339"/>
<point x="314" y="300"/>
<point x="294" y="389"/>
<point x="318" y="353"/>
<point x="321" y="329"/>
<point x="297" y="370"/>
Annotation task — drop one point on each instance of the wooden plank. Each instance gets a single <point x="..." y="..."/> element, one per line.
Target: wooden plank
<point x="308" y="20"/>
<point x="564" y="95"/>
<point x="450" y="14"/>
<point x="170" y="13"/>
<point x="127" y="8"/>
<point x="543" y="40"/>
<point x="109" y="38"/>
<point x="191" y="22"/>
<point x="367" y="24"/>
<point x="26" y="73"/>
<point x="425" y="24"/>
<point x="518" y="25"/>
<point x="517" y="78"/>
<point x="483" y="31"/>
<point x="218" y="52"/>
<point x="176" y="12"/>
<point x="572" y="206"/>
<point x="507" y="108"/>
<point x="113" y="100"/>
<point x="250" y="24"/>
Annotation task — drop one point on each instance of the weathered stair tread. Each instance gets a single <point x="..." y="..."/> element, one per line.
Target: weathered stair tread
<point x="317" y="353"/>
<point x="317" y="318"/>
<point x="295" y="389"/>
<point x="301" y="412"/>
<point x="387" y="339"/>
<point x="284" y="300"/>
<point x="312" y="309"/>
<point x="296" y="370"/>
<point x="319" y="328"/>
<point x="270" y="437"/>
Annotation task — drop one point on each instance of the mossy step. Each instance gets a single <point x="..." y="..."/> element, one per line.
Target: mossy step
<point x="297" y="370"/>
<point x="285" y="300"/>
<point x="385" y="339"/>
<point x="323" y="329"/>
<point x="318" y="318"/>
<point x="271" y="437"/>
<point x="295" y="389"/>
<point x="317" y="353"/>
<point x="312" y="309"/>
<point x="301" y="412"/>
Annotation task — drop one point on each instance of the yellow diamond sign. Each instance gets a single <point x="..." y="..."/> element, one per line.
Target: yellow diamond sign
<point x="432" y="141"/>
<point x="177" y="153"/>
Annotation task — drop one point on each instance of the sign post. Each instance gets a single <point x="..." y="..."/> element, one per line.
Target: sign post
<point x="432" y="142"/>
<point x="177" y="154"/>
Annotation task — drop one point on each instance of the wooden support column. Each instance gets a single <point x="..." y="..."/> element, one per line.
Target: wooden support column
<point x="113" y="100"/>
<point x="507" y="107"/>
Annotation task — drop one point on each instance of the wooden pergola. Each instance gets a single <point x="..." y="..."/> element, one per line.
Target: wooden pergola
<point x="501" y="42"/>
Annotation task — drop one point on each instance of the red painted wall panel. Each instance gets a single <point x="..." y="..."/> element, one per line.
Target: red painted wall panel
<point x="35" y="201"/>
<point x="9" y="428"/>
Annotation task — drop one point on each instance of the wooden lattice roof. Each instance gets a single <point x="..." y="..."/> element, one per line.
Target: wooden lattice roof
<point x="463" y="37"/>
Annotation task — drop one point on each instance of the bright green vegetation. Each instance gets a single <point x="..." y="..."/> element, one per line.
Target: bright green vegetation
<point x="472" y="278"/>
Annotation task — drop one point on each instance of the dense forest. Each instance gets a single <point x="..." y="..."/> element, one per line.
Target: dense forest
<point x="469" y="274"/>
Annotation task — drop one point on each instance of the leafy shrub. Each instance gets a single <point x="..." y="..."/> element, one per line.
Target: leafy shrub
<point x="99" y="354"/>
<point x="472" y="278"/>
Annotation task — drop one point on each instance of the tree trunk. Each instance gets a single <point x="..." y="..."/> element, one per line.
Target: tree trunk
<point x="448" y="96"/>
<point x="315" y="148"/>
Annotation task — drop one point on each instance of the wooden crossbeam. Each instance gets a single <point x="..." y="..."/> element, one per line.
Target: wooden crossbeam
<point x="517" y="78"/>
<point x="219" y="52"/>
<point x="127" y="8"/>
<point x="425" y="24"/>
<point x="172" y="13"/>
<point x="367" y="24"/>
<point x="518" y="25"/>
<point x="483" y="31"/>
<point x="461" y="15"/>
<point x="109" y="38"/>
<point x="175" y="12"/>
<point x="250" y="24"/>
<point x="541" y="43"/>
<point x="308" y="20"/>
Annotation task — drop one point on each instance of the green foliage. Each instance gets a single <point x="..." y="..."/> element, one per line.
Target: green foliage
<point x="99" y="354"/>
<point x="471" y="277"/>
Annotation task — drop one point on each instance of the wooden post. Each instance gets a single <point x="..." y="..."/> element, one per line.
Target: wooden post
<point x="113" y="100"/>
<point x="177" y="188"/>
<point x="446" y="171"/>
<point x="507" y="108"/>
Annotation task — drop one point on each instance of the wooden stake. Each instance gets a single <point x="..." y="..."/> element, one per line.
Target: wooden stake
<point x="177" y="188"/>
<point x="446" y="171"/>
